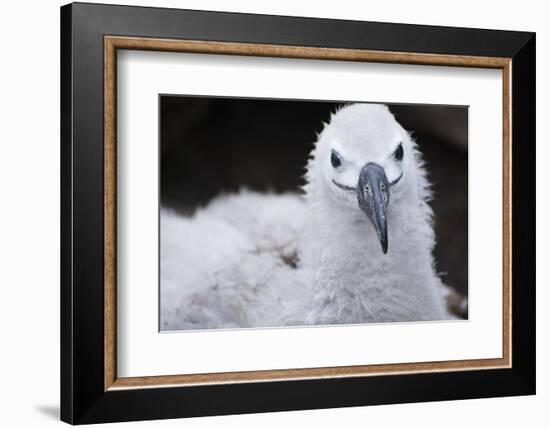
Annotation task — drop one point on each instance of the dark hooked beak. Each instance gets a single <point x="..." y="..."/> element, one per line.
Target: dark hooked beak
<point x="373" y="195"/>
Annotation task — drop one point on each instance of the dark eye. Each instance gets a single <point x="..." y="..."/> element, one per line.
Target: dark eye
<point x="399" y="152"/>
<point x="335" y="160"/>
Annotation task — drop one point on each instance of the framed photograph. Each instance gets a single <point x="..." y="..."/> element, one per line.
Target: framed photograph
<point x="265" y="213"/>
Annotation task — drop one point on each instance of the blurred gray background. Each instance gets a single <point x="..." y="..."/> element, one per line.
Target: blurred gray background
<point x="210" y="145"/>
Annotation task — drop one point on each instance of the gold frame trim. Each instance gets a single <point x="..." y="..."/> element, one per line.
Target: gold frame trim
<point x="113" y="43"/>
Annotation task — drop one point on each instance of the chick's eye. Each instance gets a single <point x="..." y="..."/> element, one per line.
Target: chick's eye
<point x="399" y="152"/>
<point x="335" y="160"/>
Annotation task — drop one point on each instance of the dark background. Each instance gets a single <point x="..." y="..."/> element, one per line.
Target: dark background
<point x="210" y="145"/>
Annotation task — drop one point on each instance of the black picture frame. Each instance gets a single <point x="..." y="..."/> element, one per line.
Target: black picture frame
<point x="83" y="396"/>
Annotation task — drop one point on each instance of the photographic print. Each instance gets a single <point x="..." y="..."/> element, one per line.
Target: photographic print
<point x="279" y="213"/>
<point x="232" y="202"/>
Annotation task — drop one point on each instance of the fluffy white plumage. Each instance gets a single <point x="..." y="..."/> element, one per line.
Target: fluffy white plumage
<point x="256" y="260"/>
